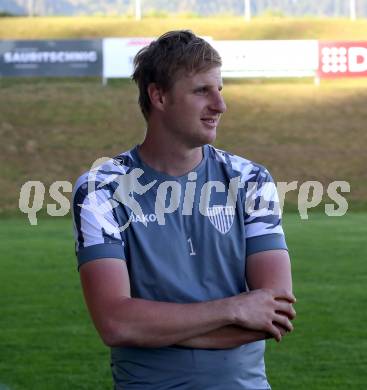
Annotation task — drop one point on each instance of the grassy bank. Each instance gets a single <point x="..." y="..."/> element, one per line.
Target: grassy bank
<point x="54" y="130"/>
<point x="217" y="27"/>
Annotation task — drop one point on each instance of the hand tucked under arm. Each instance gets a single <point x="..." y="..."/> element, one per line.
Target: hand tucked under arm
<point x="270" y="269"/>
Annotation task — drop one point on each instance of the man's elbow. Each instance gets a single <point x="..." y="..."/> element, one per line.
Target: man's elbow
<point x="114" y="335"/>
<point x="110" y="339"/>
<point x="121" y="336"/>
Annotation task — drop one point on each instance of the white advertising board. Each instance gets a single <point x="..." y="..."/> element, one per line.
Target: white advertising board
<point x="118" y="55"/>
<point x="291" y="58"/>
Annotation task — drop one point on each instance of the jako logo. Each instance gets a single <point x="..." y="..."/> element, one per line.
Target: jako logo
<point x="143" y="218"/>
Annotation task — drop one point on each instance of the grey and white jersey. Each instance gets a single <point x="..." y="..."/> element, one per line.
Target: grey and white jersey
<point x="184" y="239"/>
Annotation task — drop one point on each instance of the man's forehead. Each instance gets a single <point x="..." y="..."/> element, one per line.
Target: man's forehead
<point x="208" y="76"/>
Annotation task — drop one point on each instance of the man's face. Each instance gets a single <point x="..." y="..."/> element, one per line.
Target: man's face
<point x="193" y="107"/>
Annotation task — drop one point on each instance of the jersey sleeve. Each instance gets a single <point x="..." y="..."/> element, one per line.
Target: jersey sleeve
<point x="263" y="221"/>
<point x="97" y="226"/>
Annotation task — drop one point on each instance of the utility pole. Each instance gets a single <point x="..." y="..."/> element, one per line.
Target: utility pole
<point x="247" y="10"/>
<point x="137" y="9"/>
<point x="42" y="7"/>
<point x="353" y="12"/>
<point x="30" y="7"/>
<point x="337" y="8"/>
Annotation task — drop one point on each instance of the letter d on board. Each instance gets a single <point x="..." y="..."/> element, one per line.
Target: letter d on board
<point x="357" y="59"/>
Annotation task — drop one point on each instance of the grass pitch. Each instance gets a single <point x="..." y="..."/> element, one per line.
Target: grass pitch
<point x="47" y="340"/>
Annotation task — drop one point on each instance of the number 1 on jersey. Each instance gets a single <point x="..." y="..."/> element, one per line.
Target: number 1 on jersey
<point x="192" y="251"/>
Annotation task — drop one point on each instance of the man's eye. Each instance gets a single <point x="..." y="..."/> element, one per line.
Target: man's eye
<point x="201" y="90"/>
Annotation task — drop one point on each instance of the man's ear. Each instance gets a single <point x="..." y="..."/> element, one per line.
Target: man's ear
<point x="156" y="96"/>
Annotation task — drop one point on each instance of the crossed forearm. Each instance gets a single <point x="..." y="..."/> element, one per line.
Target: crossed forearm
<point x="224" y="323"/>
<point x="266" y="311"/>
<point x="142" y="323"/>
<point x="224" y="338"/>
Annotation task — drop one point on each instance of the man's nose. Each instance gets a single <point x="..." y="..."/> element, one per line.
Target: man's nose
<point x="218" y="103"/>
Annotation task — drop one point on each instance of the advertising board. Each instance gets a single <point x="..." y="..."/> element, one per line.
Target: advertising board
<point x="282" y="58"/>
<point x="342" y="59"/>
<point x="51" y="58"/>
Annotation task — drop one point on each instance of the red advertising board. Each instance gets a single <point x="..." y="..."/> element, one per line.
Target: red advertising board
<point x="342" y="59"/>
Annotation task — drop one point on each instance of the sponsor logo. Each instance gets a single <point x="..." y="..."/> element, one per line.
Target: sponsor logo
<point x="344" y="58"/>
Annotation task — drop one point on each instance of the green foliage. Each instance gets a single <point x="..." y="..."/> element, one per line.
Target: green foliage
<point x="6" y="14"/>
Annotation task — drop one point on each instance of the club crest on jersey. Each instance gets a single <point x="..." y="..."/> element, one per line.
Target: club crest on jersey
<point x="221" y="217"/>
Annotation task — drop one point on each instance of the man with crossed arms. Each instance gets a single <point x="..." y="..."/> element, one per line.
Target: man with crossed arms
<point x="185" y="287"/>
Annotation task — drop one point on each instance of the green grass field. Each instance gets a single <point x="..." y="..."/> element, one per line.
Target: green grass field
<point x="48" y="342"/>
